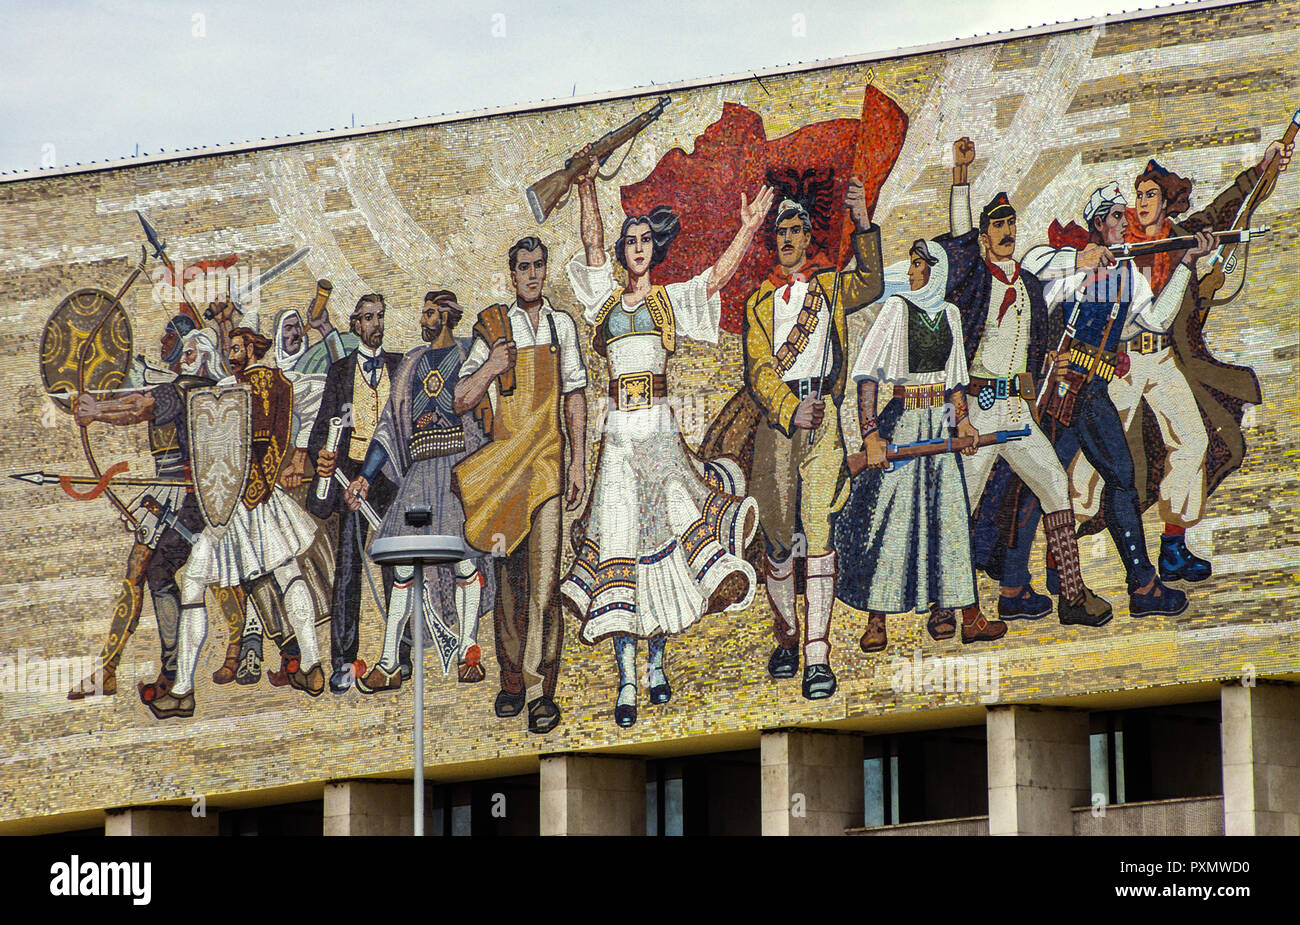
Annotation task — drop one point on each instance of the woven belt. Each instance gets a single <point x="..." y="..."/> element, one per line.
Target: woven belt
<point x="1146" y="343"/>
<point x="1103" y="366"/>
<point x="921" y="396"/>
<point x="634" y="391"/>
<point x="813" y="385"/>
<point x="436" y="441"/>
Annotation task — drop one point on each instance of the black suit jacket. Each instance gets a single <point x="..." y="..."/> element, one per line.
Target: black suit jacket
<point x="339" y="381"/>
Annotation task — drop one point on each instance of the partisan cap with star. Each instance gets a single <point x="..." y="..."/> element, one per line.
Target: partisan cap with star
<point x="1102" y="200"/>
<point x="788" y="209"/>
<point x="1153" y="166"/>
<point x="998" y="207"/>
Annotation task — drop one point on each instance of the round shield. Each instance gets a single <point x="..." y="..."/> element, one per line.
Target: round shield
<point x="66" y="343"/>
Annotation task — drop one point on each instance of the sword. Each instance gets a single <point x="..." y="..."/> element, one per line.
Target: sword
<point x="237" y="298"/>
<point x="168" y="518"/>
<point x="366" y="509"/>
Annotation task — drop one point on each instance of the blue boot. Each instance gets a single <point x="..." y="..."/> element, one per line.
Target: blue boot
<point x="1178" y="563"/>
<point x="1162" y="600"/>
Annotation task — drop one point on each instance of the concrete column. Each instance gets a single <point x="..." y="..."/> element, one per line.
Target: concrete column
<point x="811" y="782"/>
<point x="1038" y="769"/>
<point x="160" y="820"/>
<point x="369" y="807"/>
<point x="1261" y="759"/>
<point x="592" y="795"/>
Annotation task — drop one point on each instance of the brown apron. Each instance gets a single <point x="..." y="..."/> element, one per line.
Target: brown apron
<point x="505" y="481"/>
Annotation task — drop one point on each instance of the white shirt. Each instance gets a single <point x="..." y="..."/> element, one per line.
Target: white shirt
<point x="573" y="372"/>
<point x="1003" y="351"/>
<point x="1063" y="281"/>
<point x="695" y="313"/>
<point x="883" y="356"/>
<point x="372" y="378"/>
<point x="784" y="315"/>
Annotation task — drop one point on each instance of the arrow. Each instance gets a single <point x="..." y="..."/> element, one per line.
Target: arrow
<point x="37" y="477"/>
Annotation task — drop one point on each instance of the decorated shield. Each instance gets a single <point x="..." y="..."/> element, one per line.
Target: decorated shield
<point x="220" y="424"/>
<point x="87" y="339"/>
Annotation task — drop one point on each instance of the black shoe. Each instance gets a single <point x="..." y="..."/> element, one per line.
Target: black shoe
<point x="625" y="713"/>
<point x="343" y="677"/>
<point x="1027" y="605"/>
<point x="784" y="663"/>
<point x="661" y="693"/>
<point x="1178" y="563"/>
<point x="818" y="682"/>
<point x="543" y="714"/>
<point x="1088" y="610"/>
<point x="509" y="704"/>
<point x="1167" y="602"/>
<point x="404" y="668"/>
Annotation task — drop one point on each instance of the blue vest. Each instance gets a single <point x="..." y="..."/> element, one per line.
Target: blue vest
<point x="1106" y="291"/>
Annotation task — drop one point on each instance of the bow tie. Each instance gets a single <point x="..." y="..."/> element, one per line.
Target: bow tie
<point x="370" y="364"/>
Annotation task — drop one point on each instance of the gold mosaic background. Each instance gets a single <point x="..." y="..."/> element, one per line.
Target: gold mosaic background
<point x="436" y="206"/>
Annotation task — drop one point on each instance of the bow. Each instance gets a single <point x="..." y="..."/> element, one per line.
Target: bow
<point x="83" y="355"/>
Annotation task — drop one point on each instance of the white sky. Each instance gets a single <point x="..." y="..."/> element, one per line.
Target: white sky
<point x="92" y="80"/>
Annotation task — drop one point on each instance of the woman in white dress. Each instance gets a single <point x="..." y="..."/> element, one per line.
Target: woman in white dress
<point x="662" y="540"/>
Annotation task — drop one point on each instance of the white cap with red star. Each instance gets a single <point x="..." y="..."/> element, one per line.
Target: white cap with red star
<point x="1103" y="200"/>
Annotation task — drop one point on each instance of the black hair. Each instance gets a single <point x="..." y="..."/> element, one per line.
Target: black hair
<point x="984" y="217"/>
<point x="529" y="243"/>
<point x="446" y="300"/>
<point x="812" y="189"/>
<point x="664" y="228"/>
<point x="922" y="250"/>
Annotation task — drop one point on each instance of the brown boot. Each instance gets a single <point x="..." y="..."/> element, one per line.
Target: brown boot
<point x="470" y="671"/>
<point x="874" y="639"/>
<point x="974" y="628"/>
<point x="311" y="682"/>
<point x="151" y="692"/>
<point x="942" y="623"/>
<point x="226" y="673"/>
<point x="380" y="680"/>
<point x="1086" y="610"/>
<point x="169" y="705"/>
<point x="100" y="681"/>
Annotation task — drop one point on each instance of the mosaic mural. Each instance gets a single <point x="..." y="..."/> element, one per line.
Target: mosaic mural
<point x="738" y="396"/>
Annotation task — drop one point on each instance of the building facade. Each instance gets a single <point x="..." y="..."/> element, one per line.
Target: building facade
<point x="694" y="605"/>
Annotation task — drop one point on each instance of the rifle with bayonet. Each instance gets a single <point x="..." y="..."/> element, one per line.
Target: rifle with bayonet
<point x="1128" y="251"/>
<point x="903" y="453"/>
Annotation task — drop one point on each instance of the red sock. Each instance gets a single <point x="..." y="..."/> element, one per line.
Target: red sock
<point x="1174" y="530"/>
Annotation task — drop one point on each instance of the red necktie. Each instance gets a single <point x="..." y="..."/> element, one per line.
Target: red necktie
<point x="1010" y="295"/>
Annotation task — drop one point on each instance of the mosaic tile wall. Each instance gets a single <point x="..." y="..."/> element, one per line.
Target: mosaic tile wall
<point x="435" y="207"/>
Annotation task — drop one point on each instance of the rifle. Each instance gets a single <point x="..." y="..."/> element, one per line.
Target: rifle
<point x="903" y="453"/>
<point x="1224" y="259"/>
<point x="545" y="193"/>
<point x="1183" y="242"/>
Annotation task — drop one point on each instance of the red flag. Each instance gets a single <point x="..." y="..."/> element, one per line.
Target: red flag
<point x="734" y="156"/>
<point x="199" y="267"/>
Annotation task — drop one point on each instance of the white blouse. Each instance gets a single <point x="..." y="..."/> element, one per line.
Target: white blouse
<point x="883" y="356"/>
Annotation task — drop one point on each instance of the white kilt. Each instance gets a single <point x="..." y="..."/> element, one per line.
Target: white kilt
<point x="253" y="543"/>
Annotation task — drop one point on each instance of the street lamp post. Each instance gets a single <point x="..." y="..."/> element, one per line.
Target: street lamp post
<point x="418" y="551"/>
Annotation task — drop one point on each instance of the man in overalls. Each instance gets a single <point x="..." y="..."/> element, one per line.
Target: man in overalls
<point x="524" y="357"/>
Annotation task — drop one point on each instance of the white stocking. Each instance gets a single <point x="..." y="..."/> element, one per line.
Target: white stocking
<point x="193" y="631"/>
<point x="399" y="605"/>
<point x="300" y="611"/>
<point x="469" y="591"/>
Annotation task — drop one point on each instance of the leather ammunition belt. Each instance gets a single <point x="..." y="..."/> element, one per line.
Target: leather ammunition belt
<point x="1100" y="362"/>
<point x="989" y="391"/>
<point x="921" y="396"/>
<point x="813" y="385"/>
<point x="634" y="391"/>
<point x="1146" y="343"/>
<point x="436" y="441"/>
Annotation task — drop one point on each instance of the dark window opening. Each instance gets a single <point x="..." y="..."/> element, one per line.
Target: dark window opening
<point x="704" y="795"/>
<point x="925" y="776"/>
<point x="1163" y="753"/>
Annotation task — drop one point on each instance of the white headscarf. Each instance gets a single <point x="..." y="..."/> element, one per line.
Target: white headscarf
<point x="283" y="359"/>
<point x="204" y="341"/>
<point x="930" y="297"/>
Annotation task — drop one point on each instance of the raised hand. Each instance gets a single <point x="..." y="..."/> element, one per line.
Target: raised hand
<point x="752" y="213"/>
<point x="856" y="199"/>
<point x="963" y="155"/>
